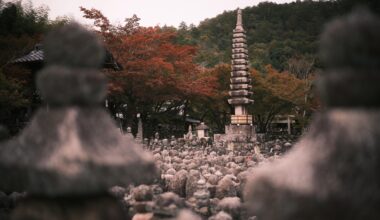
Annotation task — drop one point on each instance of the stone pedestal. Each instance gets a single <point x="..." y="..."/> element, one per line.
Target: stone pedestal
<point x="236" y="135"/>
<point x="239" y="133"/>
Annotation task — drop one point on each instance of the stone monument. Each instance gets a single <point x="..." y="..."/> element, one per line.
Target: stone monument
<point x="241" y="129"/>
<point x="202" y="131"/>
<point x="69" y="156"/>
<point x="333" y="171"/>
<point x="139" y="134"/>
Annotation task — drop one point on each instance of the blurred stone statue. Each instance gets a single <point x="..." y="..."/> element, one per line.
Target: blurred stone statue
<point x="333" y="171"/>
<point x="69" y="156"/>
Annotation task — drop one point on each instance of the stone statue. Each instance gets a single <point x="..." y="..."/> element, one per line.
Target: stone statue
<point x="333" y="171"/>
<point x="69" y="156"/>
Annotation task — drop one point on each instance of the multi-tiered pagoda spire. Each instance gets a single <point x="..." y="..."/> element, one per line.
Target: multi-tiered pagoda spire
<point x="240" y="87"/>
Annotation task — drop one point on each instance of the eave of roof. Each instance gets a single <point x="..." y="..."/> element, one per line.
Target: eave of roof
<point x="37" y="56"/>
<point x="33" y="56"/>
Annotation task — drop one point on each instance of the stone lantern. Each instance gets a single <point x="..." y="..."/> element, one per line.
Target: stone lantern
<point x="202" y="131"/>
<point x="69" y="156"/>
<point x="333" y="170"/>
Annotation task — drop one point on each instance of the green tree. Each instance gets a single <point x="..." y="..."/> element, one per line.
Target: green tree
<point x="21" y="27"/>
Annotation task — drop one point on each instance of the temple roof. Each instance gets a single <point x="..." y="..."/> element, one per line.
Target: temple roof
<point x="202" y="126"/>
<point x="33" y="56"/>
<point x="37" y="56"/>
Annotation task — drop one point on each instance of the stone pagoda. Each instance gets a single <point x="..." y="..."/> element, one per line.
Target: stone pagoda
<point x="240" y="80"/>
<point x="240" y="129"/>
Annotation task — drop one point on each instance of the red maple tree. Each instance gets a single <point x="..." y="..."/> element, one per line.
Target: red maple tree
<point x="159" y="74"/>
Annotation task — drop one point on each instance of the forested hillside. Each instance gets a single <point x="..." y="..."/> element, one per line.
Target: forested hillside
<point x="277" y="34"/>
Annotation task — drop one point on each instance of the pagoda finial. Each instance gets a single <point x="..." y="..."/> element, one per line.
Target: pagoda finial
<point x="239" y="21"/>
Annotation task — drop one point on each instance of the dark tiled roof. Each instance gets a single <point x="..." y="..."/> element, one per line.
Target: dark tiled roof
<point x="202" y="126"/>
<point x="33" y="56"/>
<point x="37" y="55"/>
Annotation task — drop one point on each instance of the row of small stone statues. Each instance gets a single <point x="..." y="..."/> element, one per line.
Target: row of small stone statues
<point x="189" y="138"/>
<point x="197" y="183"/>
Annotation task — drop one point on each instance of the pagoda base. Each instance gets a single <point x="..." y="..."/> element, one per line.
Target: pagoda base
<point x="236" y="135"/>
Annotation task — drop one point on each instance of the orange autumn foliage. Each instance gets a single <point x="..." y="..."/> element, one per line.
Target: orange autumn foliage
<point x="159" y="79"/>
<point x="282" y="93"/>
<point x="155" y="67"/>
<point x="283" y="85"/>
<point x="289" y="87"/>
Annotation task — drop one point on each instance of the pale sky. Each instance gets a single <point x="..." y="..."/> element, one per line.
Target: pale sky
<point x="151" y="12"/>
